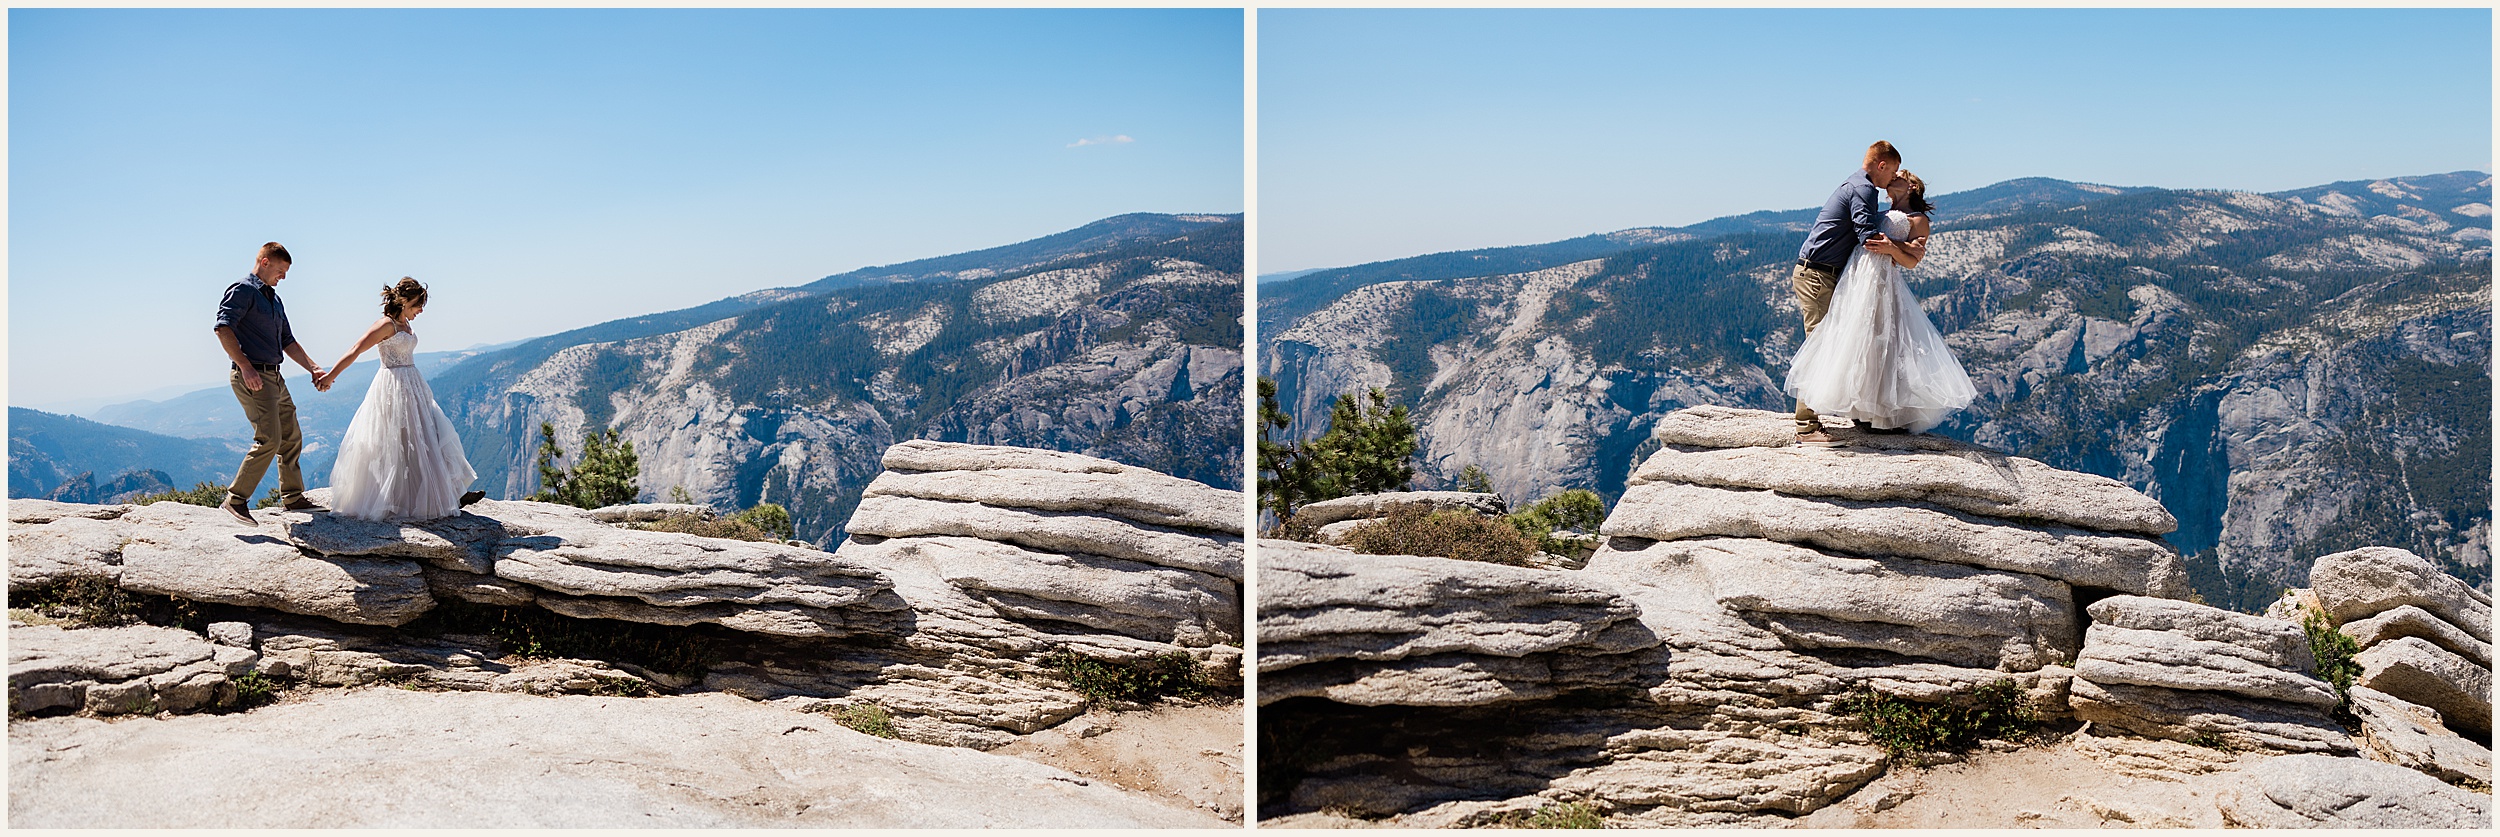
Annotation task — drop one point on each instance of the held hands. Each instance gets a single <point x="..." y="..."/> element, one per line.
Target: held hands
<point x="322" y="380"/>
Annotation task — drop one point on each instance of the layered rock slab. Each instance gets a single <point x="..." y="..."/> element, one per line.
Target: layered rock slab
<point x="2365" y="582"/>
<point x="2409" y="735"/>
<point x="1673" y="510"/>
<point x="199" y="553"/>
<point x="1735" y="448"/>
<point x="112" y="671"/>
<point x="2416" y="671"/>
<point x="1393" y="629"/>
<point x="1923" y="609"/>
<point x="2185" y="671"/>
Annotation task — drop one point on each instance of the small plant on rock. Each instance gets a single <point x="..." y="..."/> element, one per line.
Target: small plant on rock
<point x="1577" y="509"/>
<point x="203" y="494"/>
<point x="1444" y="533"/>
<point x="1560" y="815"/>
<point x="1996" y="710"/>
<point x="2334" y="651"/>
<point x="1143" y="680"/>
<point x="865" y="717"/>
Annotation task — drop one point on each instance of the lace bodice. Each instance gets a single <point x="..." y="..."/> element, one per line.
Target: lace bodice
<point x="399" y="349"/>
<point x="1896" y="224"/>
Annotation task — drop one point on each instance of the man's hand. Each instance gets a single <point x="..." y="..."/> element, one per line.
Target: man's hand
<point x="1883" y="245"/>
<point x="251" y="379"/>
<point x="321" y="380"/>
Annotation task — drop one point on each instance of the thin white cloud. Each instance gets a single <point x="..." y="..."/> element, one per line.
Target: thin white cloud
<point x="1115" y="139"/>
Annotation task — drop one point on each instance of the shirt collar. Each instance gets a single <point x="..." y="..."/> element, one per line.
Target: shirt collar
<point x="253" y="279"/>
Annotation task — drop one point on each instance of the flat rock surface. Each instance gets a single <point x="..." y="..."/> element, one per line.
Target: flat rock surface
<point x="1363" y="506"/>
<point x="1726" y="447"/>
<point x="2126" y="563"/>
<point x="30" y="510"/>
<point x="389" y="758"/>
<point x="926" y="455"/>
<point x="198" y="553"/>
<point x="64" y="548"/>
<point x="1143" y="496"/>
<point x="1187" y="755"/>
<point x="2312" y="791"/>
<point x="2079" y="782"/>
<point x="2365" y="582"/>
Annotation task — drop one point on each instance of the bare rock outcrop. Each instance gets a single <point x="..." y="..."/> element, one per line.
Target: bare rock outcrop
<point x="2418" y="672"/>
<point x="114" y="671"/>
<point x="1370" y="630"/>
<point x="2369" y="581"/>
<point x="2312" y="791"/>
<point x="2410" y="735"/>
<point x="2425" y="641"/>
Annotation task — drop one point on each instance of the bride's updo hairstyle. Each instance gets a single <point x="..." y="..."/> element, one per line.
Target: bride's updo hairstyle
<point x="1916" y="200"/>
<point x="405" y="295"/>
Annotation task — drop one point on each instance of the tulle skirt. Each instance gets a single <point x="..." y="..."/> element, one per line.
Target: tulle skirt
<point x="1876" y="359"/>
<point x="401" y="458"/>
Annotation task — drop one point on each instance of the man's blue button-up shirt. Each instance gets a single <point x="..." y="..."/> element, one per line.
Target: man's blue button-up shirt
<point x="258" y="317"/>
<point x="1847" y="220"/>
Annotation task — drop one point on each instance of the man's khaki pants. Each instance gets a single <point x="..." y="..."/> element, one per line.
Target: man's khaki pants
<point x="1814" y="297"/>
<point x="274" y="434"/>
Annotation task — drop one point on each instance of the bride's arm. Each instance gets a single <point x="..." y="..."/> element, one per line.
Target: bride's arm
<point x="1908" y="252"/>
<point x="382" y="330"/>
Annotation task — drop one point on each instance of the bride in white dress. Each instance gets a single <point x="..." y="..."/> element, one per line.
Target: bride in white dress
<point x="401" y="457"/>
<point x="1876" y="359"/>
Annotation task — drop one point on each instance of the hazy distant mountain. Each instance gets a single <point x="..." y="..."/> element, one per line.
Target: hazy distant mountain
<point x="47" y="450"/>
<point x="2290" y="374"/>
<point x="1120" y="339"/>
<point x="1283" y="302"/>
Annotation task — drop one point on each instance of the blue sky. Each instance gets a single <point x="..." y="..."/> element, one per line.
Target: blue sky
<point x="1390" y="133"/>
<point x="544" y="170"/>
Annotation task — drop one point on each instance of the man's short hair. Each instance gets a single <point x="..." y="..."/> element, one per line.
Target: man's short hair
<point x="276" y="251"/>
<point x="1884" y="151"/>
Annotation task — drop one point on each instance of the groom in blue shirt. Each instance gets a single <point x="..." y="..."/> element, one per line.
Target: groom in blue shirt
<point x="252" y="326"/>
<point x="1848" y="221"/>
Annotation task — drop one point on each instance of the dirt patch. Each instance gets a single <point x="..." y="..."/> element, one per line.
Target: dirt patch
<point x="1185" y="755"/>
<point x="2081" y="781"/>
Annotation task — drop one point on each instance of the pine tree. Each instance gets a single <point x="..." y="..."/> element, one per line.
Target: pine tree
<point x="1287" y="476"/>
<point x="1472" y="478"/>
<point x="603" y="477"/>
<point x="1366" y="447"/>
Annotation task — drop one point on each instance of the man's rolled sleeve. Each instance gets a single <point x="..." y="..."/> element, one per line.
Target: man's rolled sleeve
<point x="230" y="310"/>
<point x="1862" y="211"/>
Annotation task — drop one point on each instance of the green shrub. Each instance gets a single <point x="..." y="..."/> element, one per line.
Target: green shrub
<point x="769" y="518"/>
<point x="93" y="602"/>
<point x="2334" y="651"/>
<point x="1444" y="533"/>
<point x="1563" y="815"/>
<point x="1996" y="710"/>
<point x="203" y="494"/>
<point x="1472" y="478"/>
<point x="865" y="717"/>
<point x="1134" y="681"/>
<point x="719" y="527"/>
<point x="1576" y="509"/>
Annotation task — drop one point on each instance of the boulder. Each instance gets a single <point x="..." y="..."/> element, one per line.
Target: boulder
<point x="928" y="455"/>
<point x="2372" y="580"/>
<point x="2407" y="735"/>
<point x="1945" y="612"/>
<point x="1499" y="630"/>
<point x="2413" y="670"/>
<point x="1706" y="771"/>
<point x="2410" y="621"/>
<point x="891" y="516"/>
<point x="2314" y="791"/>
<point x="112" y="671"/>
<point x="2126" y="563"/>
<point x="2219" y="717"/>
<point x="2169" y="644"/>
<point x="198" y="553"/>
<point x="1139" y="495"/>
<point x="1182" y="607"/>
<point x="1726" y="448"/>
<point x="591" y="570"/>
<point x="1369" y="506"/>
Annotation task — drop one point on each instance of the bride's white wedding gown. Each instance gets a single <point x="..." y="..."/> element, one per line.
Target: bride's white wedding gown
<point x="401" y="458"/>
<point x="1876" y="359"/>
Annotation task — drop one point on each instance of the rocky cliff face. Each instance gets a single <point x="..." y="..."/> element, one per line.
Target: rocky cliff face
<point x="2290" y="374"/>
<point x="976" y="577"/>
<point x="1702" y="667"/>
<point x="1124" y="345"/>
